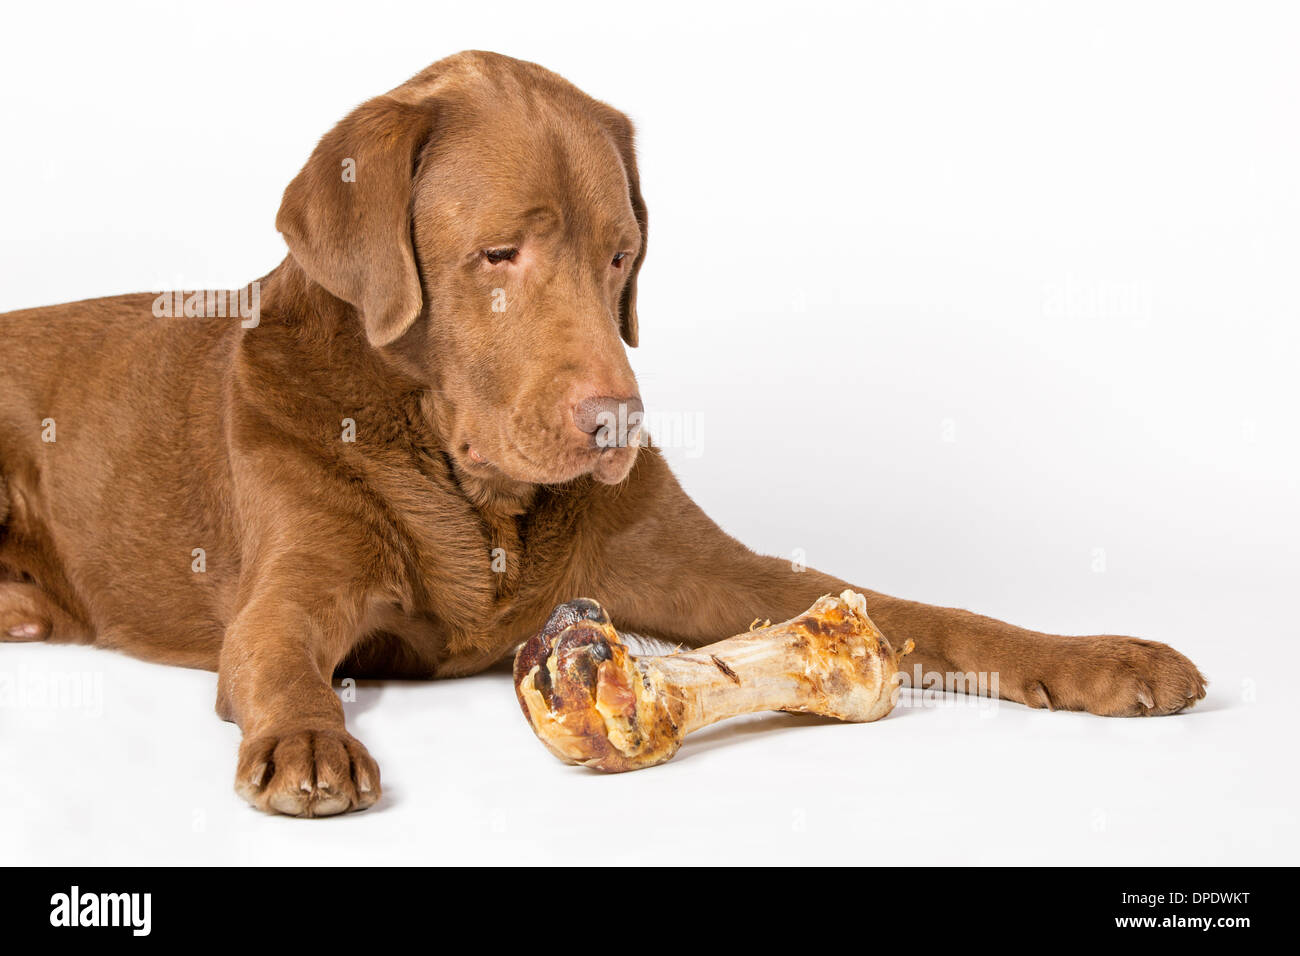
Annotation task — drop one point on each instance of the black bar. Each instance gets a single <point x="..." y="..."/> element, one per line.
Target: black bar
<point x="939" y="905"/>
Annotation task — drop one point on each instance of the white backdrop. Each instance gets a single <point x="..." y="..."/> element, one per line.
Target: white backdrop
<point x="990" y="305"/>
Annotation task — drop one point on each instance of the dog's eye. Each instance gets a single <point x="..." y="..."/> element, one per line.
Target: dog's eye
<point x="618" y="259"/>
<point x="500" y="255"/>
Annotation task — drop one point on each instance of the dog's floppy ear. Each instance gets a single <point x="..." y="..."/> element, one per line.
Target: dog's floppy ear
<point x="620" y="128"/>
<point x="347" y="215"/>
<point x="627" y="307"/>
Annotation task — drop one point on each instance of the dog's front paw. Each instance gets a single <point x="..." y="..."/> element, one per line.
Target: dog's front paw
<point x="307" y="773"/>
<point x="1116" y="677"/>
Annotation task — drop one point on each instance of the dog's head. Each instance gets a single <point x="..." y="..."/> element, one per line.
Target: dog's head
<point x="486" y="222"/>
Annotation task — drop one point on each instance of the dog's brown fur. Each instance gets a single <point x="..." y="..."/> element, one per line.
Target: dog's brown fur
<point x="375" y="557"/>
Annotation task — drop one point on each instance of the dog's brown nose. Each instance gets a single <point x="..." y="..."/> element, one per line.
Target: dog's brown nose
<point x="612" y="422"/>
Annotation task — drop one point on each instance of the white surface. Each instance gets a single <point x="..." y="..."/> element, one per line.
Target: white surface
<point x="1008" y="290"/>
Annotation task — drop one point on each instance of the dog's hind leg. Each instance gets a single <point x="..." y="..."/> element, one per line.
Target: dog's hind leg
<point x="30" y="610"/>
<point x="27" y="611"/>
<point x="23" y="612"/>
<point x="26" y="614"/>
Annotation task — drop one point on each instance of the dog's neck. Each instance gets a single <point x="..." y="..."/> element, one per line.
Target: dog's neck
<point x="292" y="298"/>
<point x="331" y="331"/>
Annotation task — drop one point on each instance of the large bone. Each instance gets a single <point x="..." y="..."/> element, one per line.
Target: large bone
<point x="592" y="702"/>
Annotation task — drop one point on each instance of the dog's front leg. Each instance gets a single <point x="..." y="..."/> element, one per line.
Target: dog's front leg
<point x="669" y="571"/>
<point x="277" y="661"/>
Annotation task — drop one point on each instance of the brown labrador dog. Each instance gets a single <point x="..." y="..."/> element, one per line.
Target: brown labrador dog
<point x="394" y="470"/>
